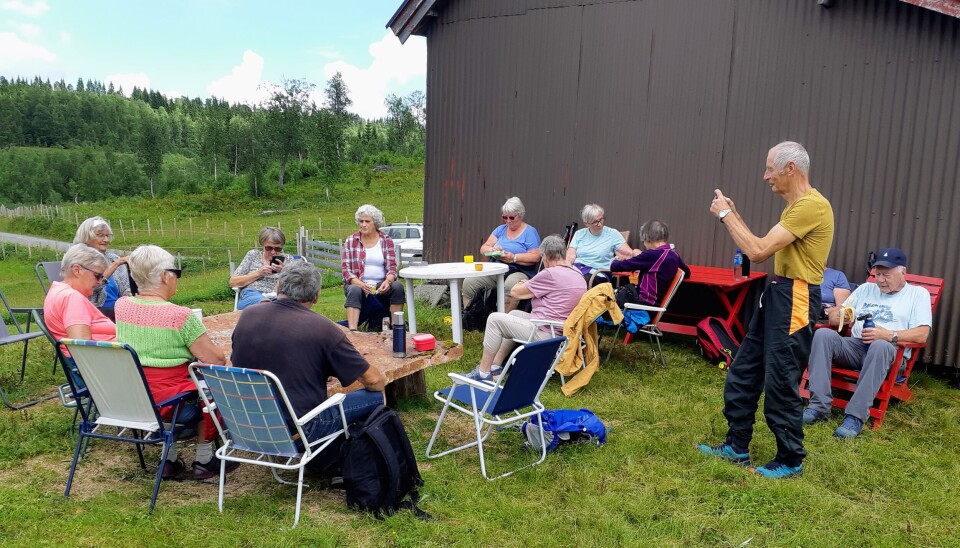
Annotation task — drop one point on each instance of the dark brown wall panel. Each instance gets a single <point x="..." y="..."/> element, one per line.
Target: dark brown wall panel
<point x="646" y="106"/>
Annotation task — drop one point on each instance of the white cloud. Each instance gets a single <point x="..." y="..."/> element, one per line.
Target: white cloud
<point x="18" y="57"/>
<point x="243" y="83"/>
<point x="327" y="52"/>
<point x="25" y="30"/>
<point x="393" y="63"/>
<point x="34" y="9"/>
<point x="128" y="81"/>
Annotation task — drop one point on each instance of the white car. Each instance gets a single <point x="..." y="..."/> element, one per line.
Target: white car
<point x="409" y="236"/>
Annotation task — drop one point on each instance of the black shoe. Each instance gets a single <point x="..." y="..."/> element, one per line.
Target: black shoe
<point x="212" y="468"/>
<point x="172" y="469"/>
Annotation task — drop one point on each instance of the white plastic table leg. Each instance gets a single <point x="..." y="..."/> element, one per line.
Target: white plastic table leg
<point x="411" y="311"/>
<point x="501" y="307"/>
<point x="455" y="311"/>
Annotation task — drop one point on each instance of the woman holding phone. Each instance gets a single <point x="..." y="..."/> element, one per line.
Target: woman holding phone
<point x="260" y="268"/>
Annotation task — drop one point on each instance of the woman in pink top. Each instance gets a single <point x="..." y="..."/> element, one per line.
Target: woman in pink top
<point x="67" y="310"/>
<point x="555" y="292"/>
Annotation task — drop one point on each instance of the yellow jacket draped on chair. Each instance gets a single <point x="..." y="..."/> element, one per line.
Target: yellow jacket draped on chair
<point x="582" y="323"/>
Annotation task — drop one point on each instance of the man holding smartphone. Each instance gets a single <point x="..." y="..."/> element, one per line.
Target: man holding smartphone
<point x="777" y="345"/>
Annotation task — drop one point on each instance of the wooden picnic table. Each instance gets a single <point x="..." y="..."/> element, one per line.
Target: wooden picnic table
<point x="731" y="294"/>
<point x="405" y="376"/>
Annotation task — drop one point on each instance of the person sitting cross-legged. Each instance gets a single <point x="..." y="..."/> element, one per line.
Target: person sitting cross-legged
<point x="555" y="291"/>
<point x="900" y="311"/>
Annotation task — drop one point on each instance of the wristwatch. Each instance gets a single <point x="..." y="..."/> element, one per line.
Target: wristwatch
<point x="895" y="338"/>
<point x="723" y="213"/>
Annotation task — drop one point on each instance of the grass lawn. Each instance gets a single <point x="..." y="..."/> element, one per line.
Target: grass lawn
<point x="647" y="486"/>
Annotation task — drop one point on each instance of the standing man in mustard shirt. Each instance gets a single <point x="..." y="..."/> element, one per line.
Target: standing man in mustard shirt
<point x="777" y="345"/>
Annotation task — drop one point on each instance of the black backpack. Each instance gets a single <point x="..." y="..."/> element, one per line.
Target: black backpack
<point x="379" y="469"/>
<point x="482" y="305"/>
<point x="716" y="341"/>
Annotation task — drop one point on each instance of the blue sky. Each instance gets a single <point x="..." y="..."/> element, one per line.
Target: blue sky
<point x="226" y="48"/>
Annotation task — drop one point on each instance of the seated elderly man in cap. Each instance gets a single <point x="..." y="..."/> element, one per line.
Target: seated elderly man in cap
<point x="900" y="312"/>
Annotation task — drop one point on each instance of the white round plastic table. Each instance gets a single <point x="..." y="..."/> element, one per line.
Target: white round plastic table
<point x="455" y="273"/>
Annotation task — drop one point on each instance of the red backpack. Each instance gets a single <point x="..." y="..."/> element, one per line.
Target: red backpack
<point x="716" y="341"/>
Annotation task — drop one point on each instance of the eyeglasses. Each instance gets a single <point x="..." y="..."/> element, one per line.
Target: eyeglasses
<point x="508" y="217"/>
<point x="96" y="274"/>
<point x="275" y="249"/>
<point x="598" y="221"/>
<point x="175" y="271"/>
<point x="102" y="236"/>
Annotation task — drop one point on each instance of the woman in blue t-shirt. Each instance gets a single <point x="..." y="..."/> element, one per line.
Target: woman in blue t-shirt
<point x="594" y="246"/>
<point x="514" y="243"/>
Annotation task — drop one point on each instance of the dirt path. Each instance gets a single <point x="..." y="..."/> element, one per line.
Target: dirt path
<point x="33" y="241"/>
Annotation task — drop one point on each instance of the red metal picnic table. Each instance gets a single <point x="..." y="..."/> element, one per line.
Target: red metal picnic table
<point x="731" y="294"/>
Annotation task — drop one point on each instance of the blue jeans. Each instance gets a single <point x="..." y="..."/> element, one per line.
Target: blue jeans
<point x="356" y="406"/>
<point x="249" y="297"/>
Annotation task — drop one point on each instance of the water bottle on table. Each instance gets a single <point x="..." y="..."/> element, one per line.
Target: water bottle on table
<point x="738" y="266"/>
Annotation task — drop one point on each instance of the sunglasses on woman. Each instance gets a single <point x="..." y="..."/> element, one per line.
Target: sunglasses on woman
<point x="508" y="217"/>
<point x="175" y="271"/>
<point x="97" y="275"/>
<point x="275" y="249"/>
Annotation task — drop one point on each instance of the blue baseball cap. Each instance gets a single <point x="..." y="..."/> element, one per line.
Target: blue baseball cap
<point x="890" y="258"/>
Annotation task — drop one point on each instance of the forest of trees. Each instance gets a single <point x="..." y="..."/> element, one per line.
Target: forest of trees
<point x="64" y="142"/>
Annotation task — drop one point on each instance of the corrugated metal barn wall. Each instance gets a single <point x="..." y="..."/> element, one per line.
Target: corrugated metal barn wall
<point x="646" y="106"/>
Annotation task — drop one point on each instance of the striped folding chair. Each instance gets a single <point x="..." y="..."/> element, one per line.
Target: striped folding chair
<point x="257" y="423"/>
<point x="125" y="407"/>
<point x="513" y="398"/>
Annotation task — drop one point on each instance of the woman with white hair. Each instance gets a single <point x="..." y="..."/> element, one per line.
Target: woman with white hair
<point x="167" y="338"/>
<point x="259" y="270"/>
<point x="96" y="233"/>
<point x="595" y="245"/>
<point x="514" y="243"/>
<point x="556" y="290"/>
<point x="368" y="262"/>
<point x="67" y="309"/>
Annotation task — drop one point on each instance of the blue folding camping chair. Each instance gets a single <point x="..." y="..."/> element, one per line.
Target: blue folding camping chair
<point x="512" y="398"/>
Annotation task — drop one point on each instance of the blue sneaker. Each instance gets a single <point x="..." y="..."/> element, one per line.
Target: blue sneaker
<point x="849" y="428"/>
<point x="812" y="416"/>
<point x="727" y="452"/>
<point x="777" y="470"/>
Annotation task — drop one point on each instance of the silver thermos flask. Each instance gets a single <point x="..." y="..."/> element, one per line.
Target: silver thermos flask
<point x="399" y="336"/>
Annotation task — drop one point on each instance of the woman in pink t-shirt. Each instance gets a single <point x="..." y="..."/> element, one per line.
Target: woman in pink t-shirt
<point x="555" y="292"/>
<point x="67" y="310"/>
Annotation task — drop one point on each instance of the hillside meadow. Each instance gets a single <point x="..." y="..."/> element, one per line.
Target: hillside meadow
<point x="648" y="486"/>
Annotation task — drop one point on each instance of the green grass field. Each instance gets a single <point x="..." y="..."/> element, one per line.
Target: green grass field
<point x="648" y="486"/>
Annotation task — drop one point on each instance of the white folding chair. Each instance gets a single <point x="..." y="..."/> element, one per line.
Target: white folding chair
<point x="125" y="407"/>
<point x="651" y="329"/>
<point x="257" y="423"/>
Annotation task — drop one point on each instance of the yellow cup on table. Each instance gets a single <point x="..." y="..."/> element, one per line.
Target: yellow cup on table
<point x="478" y="266"/>
<point x="468" y="259"/>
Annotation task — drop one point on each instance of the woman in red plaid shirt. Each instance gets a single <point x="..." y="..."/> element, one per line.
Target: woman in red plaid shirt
<point x="369" y="264"/>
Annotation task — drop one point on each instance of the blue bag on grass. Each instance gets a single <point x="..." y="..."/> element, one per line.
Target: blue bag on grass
<point x="565" y="426"/>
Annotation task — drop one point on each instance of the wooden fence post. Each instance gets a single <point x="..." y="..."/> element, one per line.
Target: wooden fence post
<point x="149" y="233"/>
